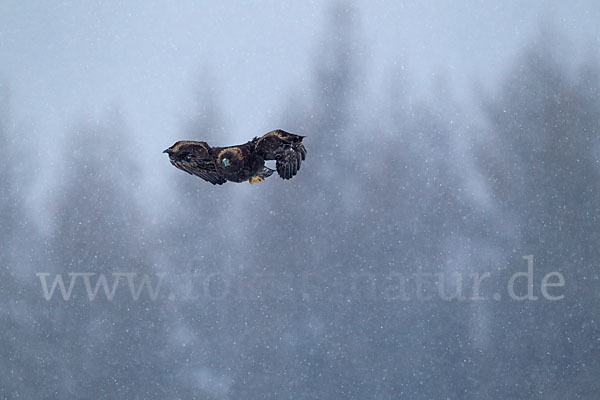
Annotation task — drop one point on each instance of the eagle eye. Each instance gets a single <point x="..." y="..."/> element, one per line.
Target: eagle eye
<point x="187" y="157"/>
<point x="225" y="162"/>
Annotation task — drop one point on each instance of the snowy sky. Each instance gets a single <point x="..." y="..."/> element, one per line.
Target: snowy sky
<point x="64" y="59"/>
<point x="71" y="61"/>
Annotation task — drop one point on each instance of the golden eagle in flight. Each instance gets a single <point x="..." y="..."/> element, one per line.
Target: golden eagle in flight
<point x="245" y="162"/>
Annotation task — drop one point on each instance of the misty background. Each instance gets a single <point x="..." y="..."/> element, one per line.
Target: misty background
<point x="448" y="138"/>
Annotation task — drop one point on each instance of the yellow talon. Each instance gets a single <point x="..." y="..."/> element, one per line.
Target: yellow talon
<point x="256" y="179"/>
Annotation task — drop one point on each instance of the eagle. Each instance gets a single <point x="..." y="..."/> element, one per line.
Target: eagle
<point x="244" y="162"/>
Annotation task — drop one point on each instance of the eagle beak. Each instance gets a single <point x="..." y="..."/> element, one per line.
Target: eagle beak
<point x="166" y="151"/>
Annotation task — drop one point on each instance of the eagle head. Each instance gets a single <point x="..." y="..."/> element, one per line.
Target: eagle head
<point x="230" y="157"/>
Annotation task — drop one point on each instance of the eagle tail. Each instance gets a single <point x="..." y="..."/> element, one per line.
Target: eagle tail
<point x="266" y="172"/>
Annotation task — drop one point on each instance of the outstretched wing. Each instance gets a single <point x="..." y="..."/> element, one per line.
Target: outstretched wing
<point x="285" y="148"/>
<point x="195" y="159"/>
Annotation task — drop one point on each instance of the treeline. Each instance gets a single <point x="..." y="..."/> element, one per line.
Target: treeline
<point x="383" y="194"/>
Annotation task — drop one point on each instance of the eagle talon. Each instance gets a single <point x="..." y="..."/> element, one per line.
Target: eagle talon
<point x="256" y="179"/>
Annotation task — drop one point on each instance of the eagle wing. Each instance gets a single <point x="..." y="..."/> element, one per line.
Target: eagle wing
<point x="285" y="148"/>
<point x="195" y="159"/>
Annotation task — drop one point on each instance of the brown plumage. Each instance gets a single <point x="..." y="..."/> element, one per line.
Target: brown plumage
<point x="218" y="165"/>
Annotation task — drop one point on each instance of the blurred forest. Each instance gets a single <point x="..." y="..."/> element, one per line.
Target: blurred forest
<point x="297" y="286"/>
